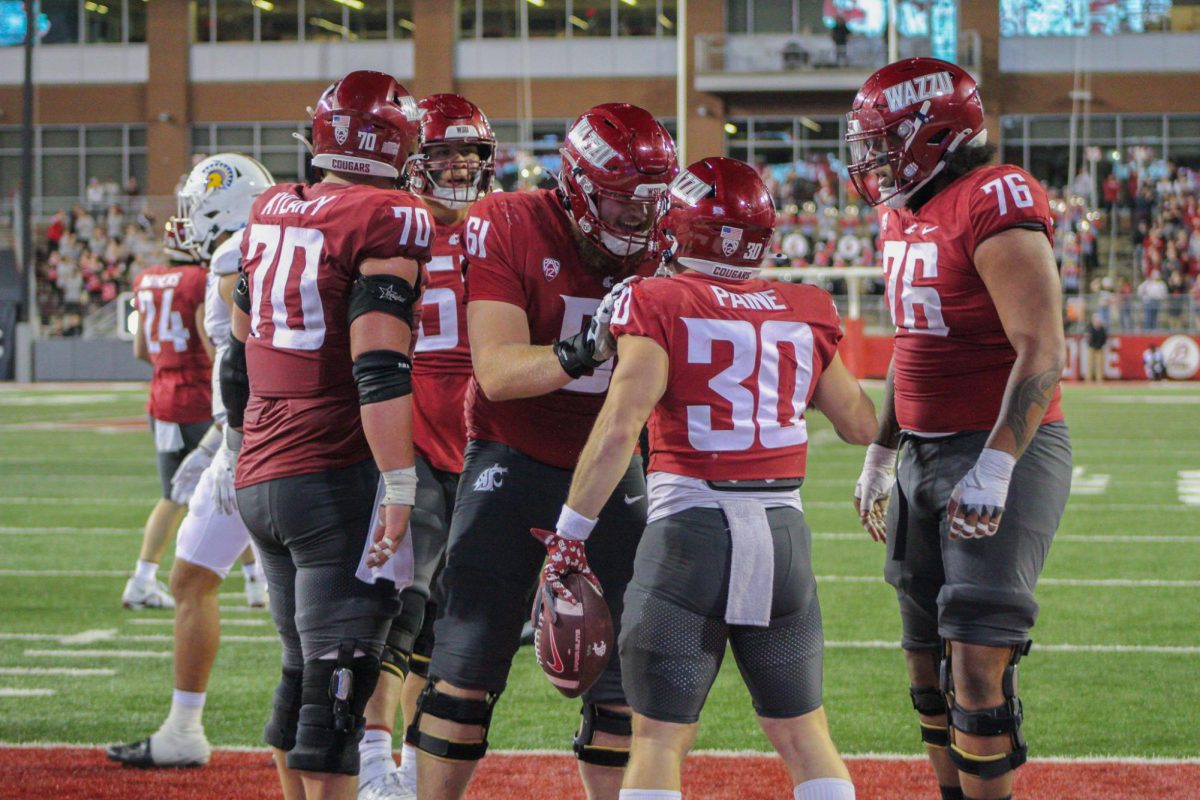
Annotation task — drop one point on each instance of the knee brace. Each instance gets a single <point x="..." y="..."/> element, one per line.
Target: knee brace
<point x="603" y="720"/>
<point x="285" y="710"/>
<point x="464" y="711"/>
<point x="930" y="702"/>
<point x="397" y="649"/>
<point x="1002" y="720"/>
<point x="331" y="723"/>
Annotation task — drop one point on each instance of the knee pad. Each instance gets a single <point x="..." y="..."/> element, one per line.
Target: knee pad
<point x="615" y="723"/>
<point x="930" y="702"/>
<point x="1002" y="720"/>
<point x="331" y="723"/>
<point x="285" y="710"/>
<point x="422" y="650"/>
<point x="464" y="711"/>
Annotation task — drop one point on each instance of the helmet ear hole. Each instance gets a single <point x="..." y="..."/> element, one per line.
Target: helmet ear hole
<point x="939" y="137"/>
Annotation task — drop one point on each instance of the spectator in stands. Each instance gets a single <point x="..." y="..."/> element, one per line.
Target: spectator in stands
<point x="1112" y="192"/>
<point x="1177" y="300"/>
<point x="1154" y="363"/>
<point x="1125" y="304"/>
<point x="840" y="34"/>
<point x="1097" y="337"/>
<point x="94" y="195"/>
<point x="55" y="231"/>
<point x="1152" y="291"/>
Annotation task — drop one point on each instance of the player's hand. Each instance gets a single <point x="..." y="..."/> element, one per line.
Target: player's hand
<point x="874" y="489"/>
<point x="223" y="468"/>
<point x="563" y="556"/>
<point x="389" y="532"/>
<point x="183" y="482"/>
<point x="602" y="342"/>
<point x="977" y="502"/>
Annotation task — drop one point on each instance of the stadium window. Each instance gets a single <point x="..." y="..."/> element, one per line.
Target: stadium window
<point x="135" y="20"/>
<point x="326" y="20"/>
<point x="402" y="16"/>
<point x="668" y="14"/>
<point x="283" y="166"/>
<point x="368" y="22"/>
<point x="234" y="21"/>
<point x="1050" y="128"/>
<point x="497" y="19"/>
<point x="235" y="137"/>
<point x="637" y="17"/>
<point x="592" y="18"/>
<point x="60" y="176"/>
<point x="106" y="167"/>
<point x="1184" y="127"/>
<point x="773" y="17"/>
<point x="737" y="16"/>
<point x="547" y="18"/>
<point x="277" y="20"/>
<point x="103" y="138"/>
<point x="64" y="21"/>
<point x="102" y="21"/>
<point x="1142" y="130"/>
<point x="10" y="174"/>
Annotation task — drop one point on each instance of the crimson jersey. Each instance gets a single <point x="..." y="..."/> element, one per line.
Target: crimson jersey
<point x="952" y="359"/>
<point x="744" y="360"/>
<point x="521" y="250"/>
<point x="442" y="361"/>
<point x="300" y="254"/>
<point x="167" y="301"/>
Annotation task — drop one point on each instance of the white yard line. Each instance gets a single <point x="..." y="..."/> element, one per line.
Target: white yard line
<point x="1050" y="648"/>
<point x="9" y="692"/>
<point x="98" y="672"/>
<point x="1109" y="582"/>
<point x="68" y="531"/>
<point x="164" y="621"/>
<point x="24" y="500"/>
<point x="97" y="653"/>
<point x="118" y="637"/>
<point x="1104" y="538"/>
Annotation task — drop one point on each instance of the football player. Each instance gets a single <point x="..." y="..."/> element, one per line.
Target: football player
<point x="454" y="170"/>
<point x="724" y="365"/>
<point x="318" y="377"/>
<point x="972" y="404"/>
<point x="538" y="265"/>
<point x="213" y="207"/>
<point x="170" y="336"/>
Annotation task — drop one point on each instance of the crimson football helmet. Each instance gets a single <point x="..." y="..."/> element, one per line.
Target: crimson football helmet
<point x="365" y="124"/>
<point x="721" y="219"/>
<point x="450" y="119"/>
<point x="910" y="116"/>
<point x="619" y="156"/>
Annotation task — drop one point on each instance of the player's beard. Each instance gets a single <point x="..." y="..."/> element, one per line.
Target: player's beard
<point x="600" y="262"/>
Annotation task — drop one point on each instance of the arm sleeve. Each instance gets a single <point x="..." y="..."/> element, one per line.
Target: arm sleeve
<point x="491" y="271"/>
<point x="1007" y="197"/>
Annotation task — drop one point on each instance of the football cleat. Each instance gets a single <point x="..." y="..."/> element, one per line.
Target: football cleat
<point x="256" y="592"/>
<point x="389" y="786"/>
<point x="163" y="749"/>
<point x="146" y="595"/>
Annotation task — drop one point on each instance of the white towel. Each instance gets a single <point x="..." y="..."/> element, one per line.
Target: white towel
<point x="399" y="568"/>
<point x="751" y="563"/>
<point x="168" y="438"/>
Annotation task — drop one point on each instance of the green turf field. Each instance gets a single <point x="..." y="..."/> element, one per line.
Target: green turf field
<point x="1113" y="670"/>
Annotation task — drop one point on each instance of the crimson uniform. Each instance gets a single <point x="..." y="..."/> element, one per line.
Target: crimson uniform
<point x="728" y="434"/>
<point x="180" y="394"/>
<point x="306" y="479"/>
<point x="521" y="250"/>
<point x="952" y="359"/>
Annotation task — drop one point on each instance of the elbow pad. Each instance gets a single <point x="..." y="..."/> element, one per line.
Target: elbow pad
<point x="382" y="375"/>
<point x="241" y="293"/>
<point x="386" y="293"/>
<point x="235" y="382"/>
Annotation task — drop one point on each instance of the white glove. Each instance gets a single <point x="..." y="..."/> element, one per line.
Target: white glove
<point x="977" y="502"/>
<point x="183" y="482"/>
<point x="603" y="343"/>
<point x="224" y="469"/>
<point x="874" y="489"/>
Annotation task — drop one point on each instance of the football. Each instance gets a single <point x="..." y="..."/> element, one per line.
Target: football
<point x="572" y="641"/>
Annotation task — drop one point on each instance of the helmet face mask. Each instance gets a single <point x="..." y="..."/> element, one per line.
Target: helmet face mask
<point x="215" y="199"/>
<point x="456" y="161"/>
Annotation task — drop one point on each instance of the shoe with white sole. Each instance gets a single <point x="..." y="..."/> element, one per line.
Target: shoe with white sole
<point x="164" y="749"/>
<point x="256" y="592"/>
<point x="153" y="594"/>
<point x="389" y="786"/>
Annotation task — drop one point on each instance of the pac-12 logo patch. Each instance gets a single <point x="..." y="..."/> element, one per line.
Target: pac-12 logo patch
<point x="551" y="268"/>
<point x="341" y="128"/>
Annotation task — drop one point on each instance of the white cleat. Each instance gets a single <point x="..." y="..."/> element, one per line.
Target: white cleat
<point x="389" y="786"/>
<point x="256" y="592"/>
<point x="165" y="748"/>
<point x="146" y="595"/>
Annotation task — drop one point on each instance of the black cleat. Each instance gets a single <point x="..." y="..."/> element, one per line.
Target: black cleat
<point x="141" y="755"/>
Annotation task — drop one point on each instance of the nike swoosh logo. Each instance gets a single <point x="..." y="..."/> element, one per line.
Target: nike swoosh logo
<point x="557" y="664"/>
<point x="910" y="229"/>
<point x="631" y="500"/>
<point x="928" y="229"/>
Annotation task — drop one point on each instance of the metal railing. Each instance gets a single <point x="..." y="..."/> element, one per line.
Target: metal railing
<point x="781" y="52"/>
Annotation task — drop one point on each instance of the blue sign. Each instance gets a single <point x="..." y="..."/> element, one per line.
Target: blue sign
<point x="12" y="23"/>
<point x="943" y="30"/>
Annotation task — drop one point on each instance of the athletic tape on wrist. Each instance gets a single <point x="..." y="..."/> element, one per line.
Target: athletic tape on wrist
<point x="573" y="525"/>
<point x="996" y="465"/>
<point x="400" y="487"/>
<point x="880" y="457"/>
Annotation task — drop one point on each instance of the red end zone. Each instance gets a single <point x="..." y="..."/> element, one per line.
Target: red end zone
<point x="37" y="773"/>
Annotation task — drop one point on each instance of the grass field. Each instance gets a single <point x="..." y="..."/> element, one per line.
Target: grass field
<point x="1113" y="671"/>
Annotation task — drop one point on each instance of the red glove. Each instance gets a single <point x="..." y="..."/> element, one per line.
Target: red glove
<point x="563" y="556"/>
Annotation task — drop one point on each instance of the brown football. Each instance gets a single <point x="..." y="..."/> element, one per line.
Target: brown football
<point x="574" y="643"/>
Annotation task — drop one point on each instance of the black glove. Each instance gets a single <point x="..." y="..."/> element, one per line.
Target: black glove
<point x="576" y="355"/>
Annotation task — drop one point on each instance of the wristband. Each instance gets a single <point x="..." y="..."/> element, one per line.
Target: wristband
<point x="400" y="487"/>
<point x="211" y="440"/>
<point x="880" y="457"/>
<point x="233" y="439"/>
<point x="573" y="525"/>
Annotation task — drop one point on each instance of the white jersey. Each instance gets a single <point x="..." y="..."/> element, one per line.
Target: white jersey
<point x="217" y="319"/>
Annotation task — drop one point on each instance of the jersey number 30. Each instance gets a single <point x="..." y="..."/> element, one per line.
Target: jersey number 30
<point x="759" y="414"/>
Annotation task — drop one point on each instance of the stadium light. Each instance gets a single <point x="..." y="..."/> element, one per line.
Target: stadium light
<point x="357" y="5"/>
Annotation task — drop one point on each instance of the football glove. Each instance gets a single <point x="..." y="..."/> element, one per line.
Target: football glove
<point x="563" y="556"/>
<point x="223" y="468"/>
<point x="603" y="343"/>
<point x="977" y="502"/>
<point x="874" y="489"/>
<point x="183" y="482"/>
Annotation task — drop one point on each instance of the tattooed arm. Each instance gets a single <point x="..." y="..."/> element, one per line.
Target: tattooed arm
<point x="1017" y="267"/>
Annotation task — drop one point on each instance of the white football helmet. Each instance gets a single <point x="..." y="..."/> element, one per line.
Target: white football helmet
<point x="216" y="199"/>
